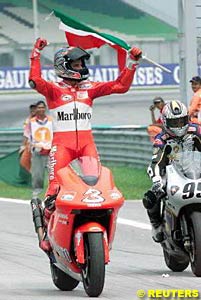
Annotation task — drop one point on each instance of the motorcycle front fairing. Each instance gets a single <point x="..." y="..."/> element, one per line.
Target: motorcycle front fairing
<point x="184" y="180"/>
<point x="183" y="186"/>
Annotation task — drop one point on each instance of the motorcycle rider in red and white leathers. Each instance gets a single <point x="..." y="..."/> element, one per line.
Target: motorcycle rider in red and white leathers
<point x="70" y="103"/>
<point x="178" y="135"/>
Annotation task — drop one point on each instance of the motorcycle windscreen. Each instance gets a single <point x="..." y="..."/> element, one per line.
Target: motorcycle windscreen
<point x="88" y="168"/>
<point x="190" y="164"/>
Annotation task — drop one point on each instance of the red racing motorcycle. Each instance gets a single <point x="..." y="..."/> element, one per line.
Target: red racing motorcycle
<point x="82" y="228"/>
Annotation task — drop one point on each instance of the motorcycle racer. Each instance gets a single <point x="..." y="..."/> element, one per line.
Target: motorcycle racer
<point x="177" y="135"/>
<point x="70" y="103"/>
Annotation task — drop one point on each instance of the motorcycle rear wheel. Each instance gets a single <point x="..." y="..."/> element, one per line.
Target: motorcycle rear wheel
<point x="172" y="262"/>
<point x="195" y="234"/>
<point x="62" y="280"/>
<point x="93" y="272"/>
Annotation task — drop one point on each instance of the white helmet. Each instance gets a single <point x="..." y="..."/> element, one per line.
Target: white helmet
<point x="175" y="118"/>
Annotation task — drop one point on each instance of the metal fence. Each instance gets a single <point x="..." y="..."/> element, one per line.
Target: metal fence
<point x="118" y="145"/>
<point x="10" y="140"/>
<point x="124" y="146"/>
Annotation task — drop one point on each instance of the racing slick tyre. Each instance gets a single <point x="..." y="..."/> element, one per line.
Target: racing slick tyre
<point x="62" y="280"/>
<point x="93" y="271"/>
<point x="195" y="239"/>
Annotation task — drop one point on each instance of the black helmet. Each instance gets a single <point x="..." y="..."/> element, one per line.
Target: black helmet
<point x="62" y="63"/>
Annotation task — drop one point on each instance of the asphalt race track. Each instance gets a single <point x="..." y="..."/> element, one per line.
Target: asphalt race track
<point x="136" y="261"/>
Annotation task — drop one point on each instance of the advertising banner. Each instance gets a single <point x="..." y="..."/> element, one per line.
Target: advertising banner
<point x="146" y="75"/>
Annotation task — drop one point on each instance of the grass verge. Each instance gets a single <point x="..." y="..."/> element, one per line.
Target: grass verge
<point x="130" y="181"/>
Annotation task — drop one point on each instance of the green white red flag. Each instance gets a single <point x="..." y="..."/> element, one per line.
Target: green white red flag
<point x="81" y="35"/>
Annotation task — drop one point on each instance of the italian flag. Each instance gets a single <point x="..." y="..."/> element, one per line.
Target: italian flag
<point x="81" y="35"/>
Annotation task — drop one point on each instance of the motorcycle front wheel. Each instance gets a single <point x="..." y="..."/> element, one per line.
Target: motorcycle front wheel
<point x="62" y="280"/>
<point x="173" y="263"/>
<point x="93" y="271"/>
<point x="195" y="237"/>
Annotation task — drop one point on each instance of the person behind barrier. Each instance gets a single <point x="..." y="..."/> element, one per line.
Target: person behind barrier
<point x="39" y="133"/>
<point x="156" y="126"/>
<point x="70" y="103"/>
<point x="178" y="135"/>
<point x="24" y="152"/>
<point x="195" y="103"/>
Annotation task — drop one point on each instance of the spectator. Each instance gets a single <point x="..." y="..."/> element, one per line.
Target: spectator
<point x="156" y="126"/>
<point x="32" y="113"/>
<point x="195" y="104"/>
<point x="39" y="133"/>
<point x="25" y="153"/>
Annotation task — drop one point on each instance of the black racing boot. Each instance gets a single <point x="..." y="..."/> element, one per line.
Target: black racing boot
<point x="155" y="220"/>
<point x="152" y="203"/>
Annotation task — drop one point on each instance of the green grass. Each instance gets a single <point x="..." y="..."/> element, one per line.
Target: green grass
<point x="130" y="181"/>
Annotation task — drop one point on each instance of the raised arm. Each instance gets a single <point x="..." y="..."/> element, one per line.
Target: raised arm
<point x="152" y="110"/>
<point x="35" y="80"/>
<point x="124" y="80"/>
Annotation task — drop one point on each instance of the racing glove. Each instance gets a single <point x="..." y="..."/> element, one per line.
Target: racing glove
<point x="157" y="184"/>
<point x="134" y="54"/>
<point x="38" y="46"/>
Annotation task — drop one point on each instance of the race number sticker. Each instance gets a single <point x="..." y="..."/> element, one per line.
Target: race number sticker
<point x="191" y="190"/>
<point x="93" y="196"/>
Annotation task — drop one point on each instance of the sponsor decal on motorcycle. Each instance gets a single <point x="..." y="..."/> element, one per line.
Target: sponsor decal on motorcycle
<point x="69" y="196"/>
<point x="115" y="195"/>
<point x="63" y="216"/>
<point x="78" y="237"/>
<point x="63" y="222"/>
<point x="63" y="252"/>
<point x="63" y="219"/>
<point x="174" y="189"/>
<point x="94" y="204"/>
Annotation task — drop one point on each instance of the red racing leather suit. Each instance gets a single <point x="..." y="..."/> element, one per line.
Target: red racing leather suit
<point x="71" y="109"/>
